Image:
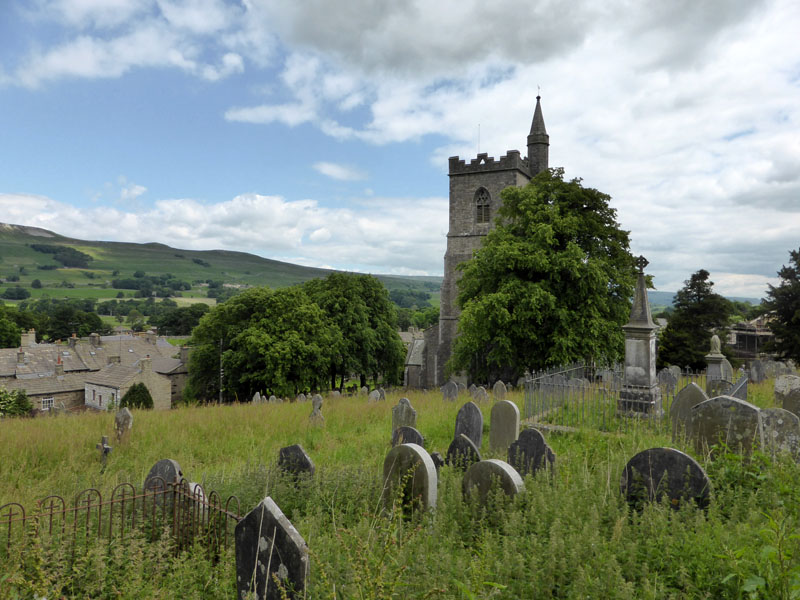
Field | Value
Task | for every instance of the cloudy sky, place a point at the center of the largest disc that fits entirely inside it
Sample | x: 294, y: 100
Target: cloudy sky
x: 317, y: 132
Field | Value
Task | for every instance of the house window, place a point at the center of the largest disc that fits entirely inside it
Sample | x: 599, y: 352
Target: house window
x: 47, y: 403
x: 482, y: 201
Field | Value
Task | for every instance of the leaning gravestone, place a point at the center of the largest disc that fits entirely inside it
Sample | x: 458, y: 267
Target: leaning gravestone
x: 651, y: 474
x: 316, y: 418
x: 781, y: 431
x: 787, y: 393
x: 530, y: 453
x: 450, y: 390
x: 462, y: 453
x: 407, y: 435
x: 418, y: 490
x: 374, y: 396
x: 469, y: 421
x: 504, y: 426
x: 123, y: 423
x: 681, y: 410
x: 499, y: 390
x: 166, y: 470
x: 266, y: 544
x: 403, y: 414
x: 735, y: 422
x: 294, y: 461
x: 483, y: 476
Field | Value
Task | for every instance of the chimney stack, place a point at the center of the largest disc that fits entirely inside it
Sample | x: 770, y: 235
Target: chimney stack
x: 73, y: 340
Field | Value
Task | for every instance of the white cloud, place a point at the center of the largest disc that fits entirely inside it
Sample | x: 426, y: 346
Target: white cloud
x: 340, y: 172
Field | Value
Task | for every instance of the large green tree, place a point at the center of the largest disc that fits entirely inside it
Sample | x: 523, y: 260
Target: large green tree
x: 137, y: 396
x: 698, y: 314
x: 783, y: 306
x: 551, y: 283
x: 273, y: 341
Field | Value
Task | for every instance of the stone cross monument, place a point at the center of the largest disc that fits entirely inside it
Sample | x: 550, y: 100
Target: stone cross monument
x: 640, y: 394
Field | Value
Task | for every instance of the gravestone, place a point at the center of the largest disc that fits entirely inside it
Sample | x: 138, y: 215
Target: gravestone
x: 462, y: 453
x: 418, y: 490
x: 472, y: 389
x: 382, y: 394
x: 530, y: 453
x: 257, y: 398
x: 735, y: 422
x: 105, y: 450
x: 403, y: 414
x: 757, y: 371
x: 787, y: 393
x: 267, y: 543
x: 681, y: 410
x: 499, y: 390
x: 651, y: 474
x: 482, y: 477
x: 481, y: 395
x: 335, y: 394
x: 718, y: 387
x: 450, y: 390
x: 275, y: 400
x: 167, y: 469
x: 316, y: 418
x: 438, y: 461
x: 521, y: 382
x: 123, y: 423
x: 374, y: 396
x: 301, y: 397
x: 667, y: 380
x: 469, y: 421
x: 676, y: 372
x: 294, y: 461
x: 363, y: 391
x: 407, y: 435
x: 727, y: 370
x: 781, y: 431
x: 461, y: 388
x: 504, y: 425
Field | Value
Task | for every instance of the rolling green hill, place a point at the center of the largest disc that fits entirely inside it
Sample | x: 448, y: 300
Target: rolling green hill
x: 112, y: 260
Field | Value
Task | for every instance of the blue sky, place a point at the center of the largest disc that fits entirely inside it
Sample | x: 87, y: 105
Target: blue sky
x: 318, y: 132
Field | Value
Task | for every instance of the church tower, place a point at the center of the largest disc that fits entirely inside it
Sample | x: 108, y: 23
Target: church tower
x: 474, y: 201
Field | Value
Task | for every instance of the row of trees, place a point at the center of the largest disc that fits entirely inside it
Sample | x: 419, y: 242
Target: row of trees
x: 309, y: 336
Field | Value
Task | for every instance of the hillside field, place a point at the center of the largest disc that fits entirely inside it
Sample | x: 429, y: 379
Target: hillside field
x: 568, y: 535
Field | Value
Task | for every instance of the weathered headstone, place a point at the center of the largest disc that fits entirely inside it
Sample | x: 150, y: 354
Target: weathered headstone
x: 781, y: 431
x: 504, y: 425
x: 676, y: 372
x: 530, y: 453
x: 481, y: 395
x: 718, y: 387
x: 123, y: 423
x: 450, y: 390
x: 667, y: 380
x: 294, y: 461
x: 481, y: 477
x: 757, y: 371
x: 382, y: 394
x: 316, y: 418
x: 407, y: 435
x: 787, y: 393
x: 275, y: 400
x: 469, y: 421
x: 656, y: 472
x: 167, y: 470
x: 403, y: 414
x: 438, y: 461
x: 727, y: 419
x: 363, y: 391
x: 681, y: 410
x: 472, y: 389
x: 301, y: 397
x: 267, y: 543
x: 462, y: 388
x: 374, y: 396
x: 105, y: 450
x: 462, y: 452
x: 419, y: 489
x: 499, y: 390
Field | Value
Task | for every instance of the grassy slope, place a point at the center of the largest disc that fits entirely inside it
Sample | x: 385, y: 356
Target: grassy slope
x: 153, y: 259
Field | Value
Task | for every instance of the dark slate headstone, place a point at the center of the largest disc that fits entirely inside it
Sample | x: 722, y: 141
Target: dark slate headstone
x: 267, y: 543
x: 420, y: 489
x: 469, y: 421
x: 407, y: 435
x: 438, y: 461
x: 168, y: 470
x: 295, y: 461
x: 727, y: 419
x: 681, y: 409
x: 781, y: 431
x: 651, y: 474
x: 403, y: 414
x: 462, y: 452
x: 787, y: 393
x: 481, y: 477
x: 530, y: 453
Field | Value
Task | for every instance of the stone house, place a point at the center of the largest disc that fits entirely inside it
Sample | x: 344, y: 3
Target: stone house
x: 105, y: 388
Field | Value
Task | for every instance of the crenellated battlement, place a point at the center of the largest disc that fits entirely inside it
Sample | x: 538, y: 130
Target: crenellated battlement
x: 484, y: 163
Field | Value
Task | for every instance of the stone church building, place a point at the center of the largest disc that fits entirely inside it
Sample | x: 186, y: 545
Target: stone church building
x: 474, y: 200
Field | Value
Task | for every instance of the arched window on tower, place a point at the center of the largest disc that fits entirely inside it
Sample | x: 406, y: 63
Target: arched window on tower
x: 482, y: 202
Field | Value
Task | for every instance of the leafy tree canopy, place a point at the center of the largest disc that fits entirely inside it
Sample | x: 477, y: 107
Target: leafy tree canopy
x: 137, y: 396
x: 783, y: 304
x: 698, y: 314
x: 551, y: 284
x: 14, y: 404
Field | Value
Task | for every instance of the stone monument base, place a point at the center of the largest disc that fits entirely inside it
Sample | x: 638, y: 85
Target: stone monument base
x: 640, y: 402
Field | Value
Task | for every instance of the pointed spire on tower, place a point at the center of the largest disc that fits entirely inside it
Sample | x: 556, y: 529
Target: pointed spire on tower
x: 538, y: 142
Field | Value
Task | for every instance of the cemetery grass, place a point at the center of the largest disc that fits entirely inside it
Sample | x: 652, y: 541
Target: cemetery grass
x: 568, y: 535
